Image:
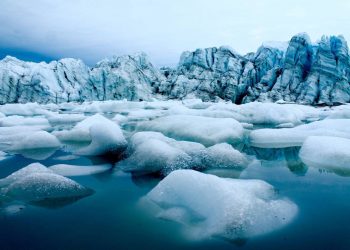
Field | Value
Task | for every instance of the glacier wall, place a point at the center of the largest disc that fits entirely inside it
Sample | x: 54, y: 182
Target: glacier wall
x: 302, y: 72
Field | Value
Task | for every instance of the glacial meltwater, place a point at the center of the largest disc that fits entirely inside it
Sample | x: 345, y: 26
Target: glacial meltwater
x: 181, y: 176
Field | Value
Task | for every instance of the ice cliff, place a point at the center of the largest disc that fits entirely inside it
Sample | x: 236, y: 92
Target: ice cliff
x: 302, y: 72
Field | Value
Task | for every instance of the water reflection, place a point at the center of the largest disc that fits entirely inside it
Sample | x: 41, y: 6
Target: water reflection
x: 268, y: 154
x: 294, y: 163
x: 58, y: 202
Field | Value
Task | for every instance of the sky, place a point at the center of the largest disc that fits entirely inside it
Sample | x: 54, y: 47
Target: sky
x: 92, y: 30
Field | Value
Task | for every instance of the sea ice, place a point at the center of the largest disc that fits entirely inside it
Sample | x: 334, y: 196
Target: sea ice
x: 205, y: 130
x: 104, y: 136
x: 36, y: 183
x: 326, y: 152
x: 153, y: 152
x: 223, y: 155
x: 218, y: 207
x: 36, y: 140
x: 74, y: 170
x: 16, y: 120
x: 291, y: 137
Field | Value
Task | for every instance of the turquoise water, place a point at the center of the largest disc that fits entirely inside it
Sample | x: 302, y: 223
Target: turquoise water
x: 114, y: 218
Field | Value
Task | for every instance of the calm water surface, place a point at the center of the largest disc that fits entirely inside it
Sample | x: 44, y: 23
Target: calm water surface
x: 114, y: 218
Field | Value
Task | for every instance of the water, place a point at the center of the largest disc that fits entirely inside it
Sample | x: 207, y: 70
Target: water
x: 114, y: 218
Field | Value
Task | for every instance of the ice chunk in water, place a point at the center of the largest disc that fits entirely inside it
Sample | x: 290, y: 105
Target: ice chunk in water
x: 36, y: 140
x: 205, y: 130
x: 23, y: 172
x: 104, y: 136
x: 223, y: 155
x: 36, y: 183
x: 16, y: 120
x: 291, y: 137
x: 45, y: 186
x: 74, y: 170
x: 153, y: 152
x: 326, y: 152
x: 219, y: 207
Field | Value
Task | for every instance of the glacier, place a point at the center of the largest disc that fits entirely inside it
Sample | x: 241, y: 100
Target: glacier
x: 299, y: 71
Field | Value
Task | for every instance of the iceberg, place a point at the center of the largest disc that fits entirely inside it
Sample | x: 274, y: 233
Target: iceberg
x: 152, y: 152
x: 36, y: 183
x: 74, y: 170
x: 205, y: 130
x: 36, y: 140
x: 327, y: 152
x: 211, y: 206
x: 291, y: 137
x: 103, y: 135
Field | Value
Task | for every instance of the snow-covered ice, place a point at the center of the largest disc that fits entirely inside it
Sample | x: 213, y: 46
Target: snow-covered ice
x: 16, y: 120
x: 220, y: 207
x: 327, y: 152
x: 205, y: 130
x: 36, y: 140
x: 151, y: 152
x: 104, y: 136
x: 290, y: 137
x: 74, y: 170
x: 223, y: 155
x: 36, y: 183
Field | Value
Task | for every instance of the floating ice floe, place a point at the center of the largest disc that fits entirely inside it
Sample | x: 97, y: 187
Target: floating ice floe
x: 218, y: 207
x: 104, y: 136
x: 11, y: 135
x: 27, y: 109
x: 224, y: 156
x: 326, y: 152
x: 37, y: 145
x: 119, y: 118
x: 56, y: 118
x: 36, y: 183
x: 16, y: 120
x: 36, y: 140
x: 74, y: 170
x: 205, y: 130
x: 144, y: 114
x: 290, y: 137
x: 264, y: 113
x: 108, y: 106
x: 151, y: 152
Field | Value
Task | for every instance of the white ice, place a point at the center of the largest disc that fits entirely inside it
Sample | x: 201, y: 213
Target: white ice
x: 205, y: 130
x: 37, y: 183
x: 16, y: 120
x: 153, y: 152
x: 36, y: 140
x: 74, y: 170
x: 290, y: 137
x: 211, y: 206
x: 326, y: 152
x: 105, y: 136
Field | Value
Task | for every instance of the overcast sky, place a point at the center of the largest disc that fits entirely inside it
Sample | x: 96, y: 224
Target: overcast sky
x: 95, y: 29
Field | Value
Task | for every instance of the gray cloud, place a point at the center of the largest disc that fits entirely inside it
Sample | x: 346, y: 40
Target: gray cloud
x: 92, y: 30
